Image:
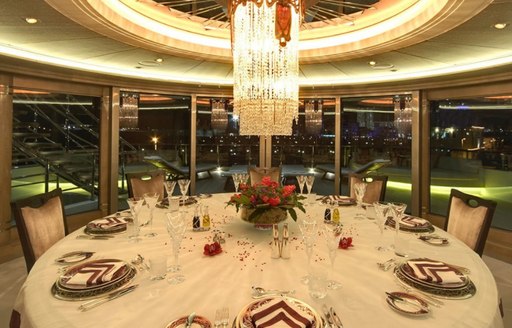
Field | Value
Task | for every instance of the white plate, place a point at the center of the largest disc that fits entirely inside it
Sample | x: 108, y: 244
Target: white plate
x: 74, y: 257
x: 407, y: 306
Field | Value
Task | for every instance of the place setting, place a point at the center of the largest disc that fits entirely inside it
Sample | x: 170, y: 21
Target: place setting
x: 93, y: 279
x: 338, y: 200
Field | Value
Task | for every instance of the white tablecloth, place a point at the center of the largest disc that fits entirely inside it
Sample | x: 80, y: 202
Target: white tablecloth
x: 226, y: 279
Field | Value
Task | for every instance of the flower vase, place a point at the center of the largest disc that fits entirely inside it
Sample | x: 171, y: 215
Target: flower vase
x: 266, y: 219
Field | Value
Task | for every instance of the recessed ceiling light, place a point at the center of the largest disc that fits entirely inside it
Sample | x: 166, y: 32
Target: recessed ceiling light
x: 372, y: 63
x: 31, y: 20
x: 159, y: 60
x: 500, y: 26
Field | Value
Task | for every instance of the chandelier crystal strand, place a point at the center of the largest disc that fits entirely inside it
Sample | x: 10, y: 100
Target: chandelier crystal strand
x: 266, y: 89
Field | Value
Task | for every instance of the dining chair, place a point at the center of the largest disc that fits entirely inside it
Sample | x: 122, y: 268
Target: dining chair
x: 375, y: 188
x: 469, y: 219
x: 140, y: 183
x: 41, y: 222
x: 256, y: 174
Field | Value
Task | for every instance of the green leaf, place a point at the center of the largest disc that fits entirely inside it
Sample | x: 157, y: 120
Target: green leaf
x: 293, y: 214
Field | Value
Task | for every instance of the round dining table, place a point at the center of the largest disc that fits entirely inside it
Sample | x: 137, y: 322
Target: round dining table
x: 225, y: 280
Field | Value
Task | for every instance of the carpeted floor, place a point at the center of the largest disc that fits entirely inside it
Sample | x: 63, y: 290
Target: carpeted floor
x: 13, y: 274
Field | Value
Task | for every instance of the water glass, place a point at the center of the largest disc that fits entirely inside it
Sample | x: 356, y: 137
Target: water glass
x: 397, y: 211
x: 332, y: 236
x: 158, y: 267
x: 151, y: 199
x: 135, y: 204
x: 308, y: 229
x: 169, y: 187
x: 359, y: 190
x: 381, y: 215
x: 176, y: 228
x: 317, y: 284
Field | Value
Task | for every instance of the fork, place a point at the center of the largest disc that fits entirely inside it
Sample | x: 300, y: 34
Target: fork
x: 218, y: 318
x: 225, y: 317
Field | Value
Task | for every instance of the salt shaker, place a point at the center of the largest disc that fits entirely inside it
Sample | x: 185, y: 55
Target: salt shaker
x: 275, y: 243
x: 285, y: 246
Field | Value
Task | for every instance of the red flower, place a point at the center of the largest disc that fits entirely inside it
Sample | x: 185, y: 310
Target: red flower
x: 274, y: 201
x: 345, y: 243
x: 288, y: 190
x: 212, y: 249
x: 266, y: 181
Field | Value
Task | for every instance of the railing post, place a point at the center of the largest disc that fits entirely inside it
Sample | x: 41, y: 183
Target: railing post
x: 93, y: 175
x: 47, y: 177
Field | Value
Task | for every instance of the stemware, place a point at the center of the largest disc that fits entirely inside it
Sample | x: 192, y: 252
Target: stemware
x: 183, y: 184
x: 135, y: 204
x: 310, y: 179
x: 301, y: 180
x: 236, y: 180
x: 176, y: 228
x: 397, y: 211
x: 151, y: 199
x: 308, y: 229
x: 332, y: 236
x: 381, y: 213
x: 169, y: 187
x: 360, y: 190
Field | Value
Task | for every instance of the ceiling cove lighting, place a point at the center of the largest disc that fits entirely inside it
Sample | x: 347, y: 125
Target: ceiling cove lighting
x: 265, y: 38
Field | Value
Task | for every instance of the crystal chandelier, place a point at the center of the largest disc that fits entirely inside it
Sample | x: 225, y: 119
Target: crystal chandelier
x: 313, y: 113
x: 265, y: 37
x: 129, y: 111
x: 403, y: 116
x: 219, y: 115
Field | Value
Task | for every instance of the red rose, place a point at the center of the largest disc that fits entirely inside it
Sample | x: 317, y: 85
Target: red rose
x: 266, y: 181
x: 345, y: 243
x: 212, y: 249
x: 288, y: 190
x: 274, y: 201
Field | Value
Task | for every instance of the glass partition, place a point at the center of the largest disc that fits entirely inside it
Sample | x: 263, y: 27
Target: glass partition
x: 221, y: 151
x: 154, y: 134
x: 310, y: 148
x: 471, y: 150
x: 55, y: 144
x: 377, y: 139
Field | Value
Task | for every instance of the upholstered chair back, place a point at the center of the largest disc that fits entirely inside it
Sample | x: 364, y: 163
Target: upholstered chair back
x: 41, y: 222
x: 469, y: 219
x: 375, y: 188
x: 257, y: 173
x: 140, y: 183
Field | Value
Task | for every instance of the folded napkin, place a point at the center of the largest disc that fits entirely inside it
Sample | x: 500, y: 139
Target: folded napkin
x: 107, y: 223
x: 97, y: 273
x: 412, y: 221
x: 338, y: 198
x: 435, y: 271
x: 280, y: 313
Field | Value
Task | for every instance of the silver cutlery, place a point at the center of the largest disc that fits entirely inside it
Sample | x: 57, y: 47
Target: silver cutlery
x: 109, y: 297
x: 259, y: 292
x: 225, y: 317
x: 387, y: 265
x: 335, y: 318
x: 397, y: 298
x: 418, y: 293
x: 328, y: 317
x: 102, y: 237
x: 190, y: 319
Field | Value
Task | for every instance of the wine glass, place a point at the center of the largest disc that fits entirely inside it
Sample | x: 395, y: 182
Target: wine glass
x: 381, y: 213
x: 169, y: 187
x: 308, y: 229
x: 176, y: 228
x: 310, y: 179
x: 135, y: 204
x: 236, y: 180
x: 184, y: 183
x: 332, y: 236
x: 244, y: 178
x: 397, y: 211
x: 151, y: 199
x: 301, y: 180
x: 360, y: 190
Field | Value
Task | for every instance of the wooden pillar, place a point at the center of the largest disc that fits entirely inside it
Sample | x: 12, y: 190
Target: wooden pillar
x: 6, y: 115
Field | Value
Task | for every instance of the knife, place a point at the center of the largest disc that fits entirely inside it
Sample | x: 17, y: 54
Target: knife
x: 335, y: 318
x: 94, y: 303
x: 190, y: 319
x: 407, y: 301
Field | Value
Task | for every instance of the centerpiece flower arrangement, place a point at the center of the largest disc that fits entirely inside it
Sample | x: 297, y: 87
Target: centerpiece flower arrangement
x: 259, y: 199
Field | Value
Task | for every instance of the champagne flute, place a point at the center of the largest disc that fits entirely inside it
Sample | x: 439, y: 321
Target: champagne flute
x: 310, y: 179
x: 169, y: 187
x: 151, y: 199
x: 332, y: 236
x: 381, y: 213
x: 236, y: 181
x: 176, y: 228
x: 135, y: 204
x: 397, y: 211
x: 360, y: 190
x: 308, y: 229
x: 184, y: 183
x: 301, y: 180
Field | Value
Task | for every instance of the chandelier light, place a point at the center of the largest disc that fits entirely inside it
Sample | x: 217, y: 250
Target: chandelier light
x: 265, y: 37
x: 313, y: 113
x: 403, y: 116
x: 129, y: 111
x: 219, y: 115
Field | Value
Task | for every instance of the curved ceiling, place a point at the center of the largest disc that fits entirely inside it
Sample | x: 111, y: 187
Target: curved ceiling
x: 407, y: 39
